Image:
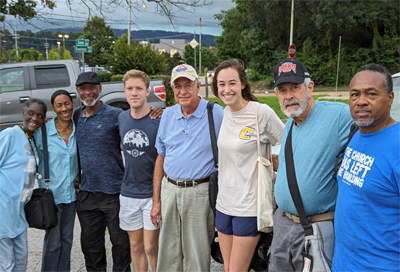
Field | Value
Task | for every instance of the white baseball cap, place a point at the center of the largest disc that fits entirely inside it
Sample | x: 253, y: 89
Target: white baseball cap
x: 183, y: 70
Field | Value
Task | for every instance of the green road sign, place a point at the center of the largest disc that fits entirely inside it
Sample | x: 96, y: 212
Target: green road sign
x: 83, y: 42
x: 83, y: 49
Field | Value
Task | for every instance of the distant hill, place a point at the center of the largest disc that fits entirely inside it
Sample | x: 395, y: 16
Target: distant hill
x: 151, y: 35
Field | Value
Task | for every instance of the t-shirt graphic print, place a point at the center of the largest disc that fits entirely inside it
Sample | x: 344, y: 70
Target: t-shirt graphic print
x: 135, y: 139
x: 138, y: 138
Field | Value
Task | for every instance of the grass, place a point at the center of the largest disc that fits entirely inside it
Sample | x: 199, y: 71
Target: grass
x: 273, y: 102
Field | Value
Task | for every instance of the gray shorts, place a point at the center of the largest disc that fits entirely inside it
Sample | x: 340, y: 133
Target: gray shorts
x: 287, y: 244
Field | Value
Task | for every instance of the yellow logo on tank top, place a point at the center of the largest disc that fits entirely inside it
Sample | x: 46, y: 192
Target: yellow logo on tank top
x: 246, y: 133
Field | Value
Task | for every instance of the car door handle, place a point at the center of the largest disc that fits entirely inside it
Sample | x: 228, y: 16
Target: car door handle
x: 23, y: 99
x: 73, y: 95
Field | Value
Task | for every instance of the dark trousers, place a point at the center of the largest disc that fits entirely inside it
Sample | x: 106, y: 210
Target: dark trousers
x: 95, y: 212
x: 57, y: 243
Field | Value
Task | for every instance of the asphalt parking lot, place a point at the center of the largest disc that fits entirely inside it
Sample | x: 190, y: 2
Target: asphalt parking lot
x: 35, y: 245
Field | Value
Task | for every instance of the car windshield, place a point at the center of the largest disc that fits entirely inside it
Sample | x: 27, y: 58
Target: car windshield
x: 395, y: 109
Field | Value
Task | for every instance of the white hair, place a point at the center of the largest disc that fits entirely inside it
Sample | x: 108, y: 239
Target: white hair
x: 306, y: 82
x: 195, y: 82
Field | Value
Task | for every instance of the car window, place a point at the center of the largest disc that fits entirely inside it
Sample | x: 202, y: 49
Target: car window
x: 395, y: 108
x: 396, y: 82
x: 51, y: 77
x: 12, y: 79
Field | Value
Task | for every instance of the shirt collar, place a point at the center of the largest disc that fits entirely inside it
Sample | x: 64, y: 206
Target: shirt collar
x: 52, y: 127
x: 98, y: 112
x: 198, y: 113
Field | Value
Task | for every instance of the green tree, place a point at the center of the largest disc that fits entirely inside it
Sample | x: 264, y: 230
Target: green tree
x: 4, y: 58
x: 208, y: 59
x: 25, y: 9
x: 67, y: 54
x: 53, y: 54
x: 369, y: 32
x: 40, y: 57
x: 136, y: 56
x: 230, y: 45
x: 101, y: 39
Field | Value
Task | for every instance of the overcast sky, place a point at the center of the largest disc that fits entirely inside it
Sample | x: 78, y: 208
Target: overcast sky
x: 146, y: 19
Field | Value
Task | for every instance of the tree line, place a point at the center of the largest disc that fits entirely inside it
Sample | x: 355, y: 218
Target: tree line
x: 258, y: 33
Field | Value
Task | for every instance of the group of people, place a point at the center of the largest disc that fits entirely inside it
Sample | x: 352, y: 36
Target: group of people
x: 156, y: 207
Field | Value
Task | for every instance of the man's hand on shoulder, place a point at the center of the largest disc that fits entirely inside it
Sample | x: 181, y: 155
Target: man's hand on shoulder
x: 156, y: 112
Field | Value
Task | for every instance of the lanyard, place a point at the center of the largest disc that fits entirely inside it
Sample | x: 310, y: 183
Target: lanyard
x: 33, y: 151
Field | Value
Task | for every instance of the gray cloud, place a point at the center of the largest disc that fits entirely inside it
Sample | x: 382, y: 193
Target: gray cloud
x: 145, y: 19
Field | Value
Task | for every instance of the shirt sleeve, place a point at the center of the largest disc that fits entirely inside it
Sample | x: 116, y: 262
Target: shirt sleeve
x: 160, y: 136
x: 344, y: 124
x: 6, y: 142
x: 271, y: 127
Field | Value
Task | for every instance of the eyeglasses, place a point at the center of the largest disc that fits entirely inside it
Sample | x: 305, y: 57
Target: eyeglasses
x: 187, y: 87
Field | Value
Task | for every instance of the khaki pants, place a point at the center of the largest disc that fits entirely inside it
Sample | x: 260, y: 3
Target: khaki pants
x: 187, y: 228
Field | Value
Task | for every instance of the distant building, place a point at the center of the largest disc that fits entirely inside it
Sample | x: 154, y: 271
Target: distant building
x: 171, y: 46
x: 212, y: 49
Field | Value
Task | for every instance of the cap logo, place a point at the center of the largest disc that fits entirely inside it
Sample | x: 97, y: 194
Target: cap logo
x: 181, y: 68
x: 286, y: 68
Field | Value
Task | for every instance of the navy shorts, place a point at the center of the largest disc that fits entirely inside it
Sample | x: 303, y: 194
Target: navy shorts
x: 236, y: 225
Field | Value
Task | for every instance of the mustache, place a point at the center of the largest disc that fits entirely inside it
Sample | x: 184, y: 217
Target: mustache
x: 292, y: 101
x: 362, y: 108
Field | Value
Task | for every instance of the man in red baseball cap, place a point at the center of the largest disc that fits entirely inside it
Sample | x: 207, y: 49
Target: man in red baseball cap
x: 318, y: 131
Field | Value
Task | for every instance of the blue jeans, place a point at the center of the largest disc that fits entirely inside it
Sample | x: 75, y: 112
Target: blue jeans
x: 58, y: 240
x: 14, y: 253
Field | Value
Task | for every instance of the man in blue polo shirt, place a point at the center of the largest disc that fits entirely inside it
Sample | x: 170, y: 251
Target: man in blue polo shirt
x: 184, y: 153
x: 97, y: 204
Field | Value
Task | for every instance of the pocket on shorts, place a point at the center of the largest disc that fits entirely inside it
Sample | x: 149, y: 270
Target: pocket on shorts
x: 202, y: 189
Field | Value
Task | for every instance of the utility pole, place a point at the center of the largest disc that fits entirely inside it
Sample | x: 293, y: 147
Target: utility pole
x: 291, y: 24
x: 195, y: 51
x: 16, y: 37
x: 200, y: 47
x: 46, y: 45
x: 129, y: 22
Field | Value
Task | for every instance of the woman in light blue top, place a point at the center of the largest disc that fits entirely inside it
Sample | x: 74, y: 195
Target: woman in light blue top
x: 63, y: 168
x: 18, y: 171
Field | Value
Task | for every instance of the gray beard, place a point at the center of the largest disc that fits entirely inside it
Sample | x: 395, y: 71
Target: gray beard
x: 302, y: 106
x: 90, y: 104
x: 364, y: 123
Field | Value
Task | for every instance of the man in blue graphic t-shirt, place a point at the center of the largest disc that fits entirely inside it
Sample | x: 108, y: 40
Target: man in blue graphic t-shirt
x: 138, y: 135
x: 367, y: 219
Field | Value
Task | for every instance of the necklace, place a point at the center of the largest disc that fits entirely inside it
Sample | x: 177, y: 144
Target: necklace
x: 385, y: 124
x: 63, y: 130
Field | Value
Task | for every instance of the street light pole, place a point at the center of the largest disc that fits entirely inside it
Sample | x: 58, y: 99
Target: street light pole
x: 200, y: 47
x: 63, y: 36
x: 195, y: 51
x: 58, y: 48
x: 291, y: 24
x: 129, y: 22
